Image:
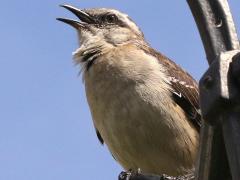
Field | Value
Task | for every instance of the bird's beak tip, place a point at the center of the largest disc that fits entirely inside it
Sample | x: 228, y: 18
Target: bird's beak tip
x: 82, y: 15
x: 71, y: 22
x: 59, y: 19
x: 64, y: 5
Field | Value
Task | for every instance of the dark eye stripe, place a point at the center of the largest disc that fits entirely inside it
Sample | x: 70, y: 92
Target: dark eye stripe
x: 108, y: 19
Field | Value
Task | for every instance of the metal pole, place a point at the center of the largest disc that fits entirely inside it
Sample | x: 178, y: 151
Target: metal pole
x: 220, y: 139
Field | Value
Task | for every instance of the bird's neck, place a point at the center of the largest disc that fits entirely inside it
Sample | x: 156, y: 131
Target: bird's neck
x: 97, y: 48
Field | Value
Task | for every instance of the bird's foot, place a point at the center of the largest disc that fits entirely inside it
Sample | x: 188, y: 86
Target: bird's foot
x: 128, y: 175
x: 131, y: 175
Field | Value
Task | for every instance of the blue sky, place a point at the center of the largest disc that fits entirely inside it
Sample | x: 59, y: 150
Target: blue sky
x: 46, y: 130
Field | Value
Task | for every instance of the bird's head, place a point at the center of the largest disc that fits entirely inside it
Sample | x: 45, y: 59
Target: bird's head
x: 101, y: 28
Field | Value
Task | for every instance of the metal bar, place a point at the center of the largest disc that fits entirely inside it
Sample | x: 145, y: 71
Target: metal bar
x: 231, y: 127
x: 212, y: 161
x: 216, y: 27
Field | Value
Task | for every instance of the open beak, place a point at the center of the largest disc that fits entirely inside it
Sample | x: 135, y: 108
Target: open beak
x: 83, y: 16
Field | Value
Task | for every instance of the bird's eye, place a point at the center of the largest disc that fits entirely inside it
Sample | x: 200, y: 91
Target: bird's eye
x: 109, y: 18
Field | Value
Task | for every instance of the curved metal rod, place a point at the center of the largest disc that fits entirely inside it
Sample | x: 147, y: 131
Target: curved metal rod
x: 216, y: 26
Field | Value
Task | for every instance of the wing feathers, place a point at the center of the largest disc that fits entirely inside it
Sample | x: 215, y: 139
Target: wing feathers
x: 185, y: 88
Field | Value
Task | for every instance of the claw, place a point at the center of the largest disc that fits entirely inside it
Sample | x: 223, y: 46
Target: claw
x: 124, y: 175
x: 129, y: 174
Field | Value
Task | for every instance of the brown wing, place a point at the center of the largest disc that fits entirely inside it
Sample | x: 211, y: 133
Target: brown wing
x: 185, y: 88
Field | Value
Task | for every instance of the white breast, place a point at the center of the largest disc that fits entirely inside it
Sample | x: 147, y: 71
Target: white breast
x: 129, y: 98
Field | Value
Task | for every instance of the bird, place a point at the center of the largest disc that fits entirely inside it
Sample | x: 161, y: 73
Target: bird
x: 144, y: 107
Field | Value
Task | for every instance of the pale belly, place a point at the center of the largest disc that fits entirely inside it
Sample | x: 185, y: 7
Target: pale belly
x: 143, y: 135
x: 136, y: 117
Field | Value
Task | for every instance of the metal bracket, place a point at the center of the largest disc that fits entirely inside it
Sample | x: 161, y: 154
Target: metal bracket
x: 219, y: 156
x: 218, y: 90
